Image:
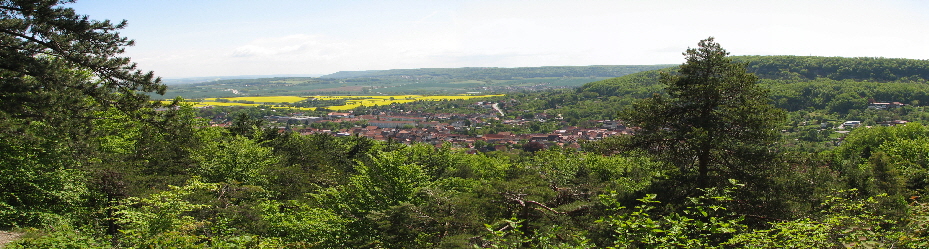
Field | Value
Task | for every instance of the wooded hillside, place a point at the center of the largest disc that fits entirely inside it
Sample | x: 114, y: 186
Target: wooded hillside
x: 718, y: 159
x: 495, y: 73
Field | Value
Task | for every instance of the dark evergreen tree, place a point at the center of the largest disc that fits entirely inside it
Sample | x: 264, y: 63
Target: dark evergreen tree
x: 56, y: 62
x: 63, y: 90
x: 714, y: 122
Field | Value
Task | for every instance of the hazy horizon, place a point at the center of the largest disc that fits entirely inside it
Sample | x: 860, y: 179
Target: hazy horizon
x: 185, y: 39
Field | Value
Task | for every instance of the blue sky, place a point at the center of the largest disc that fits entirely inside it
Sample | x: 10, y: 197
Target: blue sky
x: 236, y: 37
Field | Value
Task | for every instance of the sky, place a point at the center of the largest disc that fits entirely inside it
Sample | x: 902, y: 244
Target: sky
x: 201, y: 38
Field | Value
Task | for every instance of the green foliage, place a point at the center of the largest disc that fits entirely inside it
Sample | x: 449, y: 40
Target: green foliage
x: 917, y: 227
x: 837, y: 68
x: 162, y: 211
x: 713, y: 119
x: 61, y: 86
x: 638, y: 85
x: 313, y: 102
x: 500, y: 73
x: 162, y: 219
x: 85, y: 159
x: 387, y: 181
x: 63, y: 237
x: 377, y: 193
x: 215, y: 215
x: 886, y: 159
x: 300, y: 223
x: 426, y: 81
x: 846, y: 221
x: 796, y: 83
x: 51, y: 56
x: 704, y: 223
x: 37, y: 182
x: 232, y: 159
x: 511, y: 235
x: 624, y: 174
x: 841, y: 96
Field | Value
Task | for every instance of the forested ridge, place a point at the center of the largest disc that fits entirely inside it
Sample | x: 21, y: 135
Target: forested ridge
x: 495, y: 73
x: 785, y: 70
x: 833, y: 84
x: 430, y: 81
x: 729, y: 152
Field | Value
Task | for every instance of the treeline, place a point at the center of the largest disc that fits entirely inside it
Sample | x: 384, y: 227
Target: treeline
x: 314, y: 102
x: 791, y: 69
x: 836, y: 85
x: 244, y: 186
x: 845, y: 95
x: 495, y: 73
x: 803, y: 68
x: 263, y: 81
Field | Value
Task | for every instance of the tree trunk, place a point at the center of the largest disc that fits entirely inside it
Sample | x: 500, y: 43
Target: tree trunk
x: 703, y: 162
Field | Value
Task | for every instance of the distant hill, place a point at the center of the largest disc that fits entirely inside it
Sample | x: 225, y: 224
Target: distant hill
x: 497, y: 73
x: 192, y: 80
x: 428, y: 81
x: 796, y: 68
x: 783, y: 70
x: 834, y: 84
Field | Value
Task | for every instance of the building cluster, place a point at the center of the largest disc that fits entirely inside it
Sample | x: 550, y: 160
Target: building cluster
x: 441, y: 128
x: 854, y: 124
x: 872, y: 104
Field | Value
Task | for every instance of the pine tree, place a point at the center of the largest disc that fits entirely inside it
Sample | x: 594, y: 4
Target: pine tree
x: 58, y: 63
x: 713, y: 121
x: 65, y: 94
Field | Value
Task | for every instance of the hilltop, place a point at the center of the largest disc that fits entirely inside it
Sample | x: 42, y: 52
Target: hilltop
x: 785, y: 70
x: 834, y: 84
x: 431, y: 81
x: 496, y: 73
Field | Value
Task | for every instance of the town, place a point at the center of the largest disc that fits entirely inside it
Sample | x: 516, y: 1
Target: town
x: 461, y: 130
x: 487, y: 130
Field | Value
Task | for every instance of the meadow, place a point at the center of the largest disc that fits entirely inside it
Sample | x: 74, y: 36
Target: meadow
x: 352, y: 102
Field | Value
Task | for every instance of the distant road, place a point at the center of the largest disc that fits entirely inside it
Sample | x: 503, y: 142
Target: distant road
x: 497, y: 107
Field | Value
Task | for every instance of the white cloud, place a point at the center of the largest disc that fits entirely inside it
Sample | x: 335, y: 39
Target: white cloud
x: 551, y: 33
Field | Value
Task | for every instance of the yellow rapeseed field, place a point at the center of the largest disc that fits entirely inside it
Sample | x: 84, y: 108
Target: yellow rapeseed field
x: 267, y: 99
x: 223, y: 104
x: 352, y: 102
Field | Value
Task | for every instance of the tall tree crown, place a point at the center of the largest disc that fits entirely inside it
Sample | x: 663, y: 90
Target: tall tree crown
x: 58, y: 62
x: 714, y: 119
